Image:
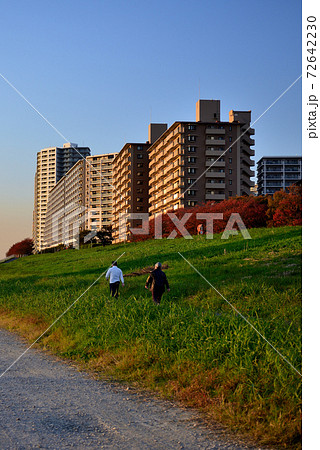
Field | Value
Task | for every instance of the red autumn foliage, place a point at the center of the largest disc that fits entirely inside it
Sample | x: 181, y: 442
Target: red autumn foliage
x: 283, y: 208
x: 22, y: 248
x: 288, y: 208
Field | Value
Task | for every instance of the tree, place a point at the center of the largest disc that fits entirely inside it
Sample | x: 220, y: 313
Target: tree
x: 82, y: 235
x: 22, y: 248
x: 105, y: 235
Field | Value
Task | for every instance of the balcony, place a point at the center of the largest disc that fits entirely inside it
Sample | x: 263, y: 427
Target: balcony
x: 215, y: 197
x: 215, y: 131
x: 273, y: 177
x: 169, y: 178
x: 292, y: 169
x: 247, y: 139
x: 214, y: 152
x: 247, y: 182
x: 248, y: 171
x: 274, y: 169
x: 152, y: 171
x: 215, y: 142
x: 246, y: 160
x: 215, y: 185
x: 216, y: 163
x: 247, y: 150
x: 209, y: 174
x: 171, y: 157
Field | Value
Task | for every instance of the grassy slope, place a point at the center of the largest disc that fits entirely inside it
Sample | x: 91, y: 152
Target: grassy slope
x: 193, y: 347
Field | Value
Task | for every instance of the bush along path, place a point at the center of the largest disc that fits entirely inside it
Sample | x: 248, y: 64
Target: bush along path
x: 193, y: 347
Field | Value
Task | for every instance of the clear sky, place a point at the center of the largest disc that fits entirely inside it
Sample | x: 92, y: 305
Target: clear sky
x: 100, y: 70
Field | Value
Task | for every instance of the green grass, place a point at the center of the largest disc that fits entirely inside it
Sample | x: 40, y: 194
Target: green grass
x: 193, y: 347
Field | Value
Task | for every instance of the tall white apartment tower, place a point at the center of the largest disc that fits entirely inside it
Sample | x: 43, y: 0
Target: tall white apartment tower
x: 52, y: 164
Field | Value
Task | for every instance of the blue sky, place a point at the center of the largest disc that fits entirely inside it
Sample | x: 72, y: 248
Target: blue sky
x: 100, y: 70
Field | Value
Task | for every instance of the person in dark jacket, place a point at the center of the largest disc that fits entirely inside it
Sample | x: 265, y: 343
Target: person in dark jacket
x: 158, y: 282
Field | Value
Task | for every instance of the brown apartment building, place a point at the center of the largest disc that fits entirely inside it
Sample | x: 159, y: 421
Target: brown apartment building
x: 195, y: 162
x: 131, y: 180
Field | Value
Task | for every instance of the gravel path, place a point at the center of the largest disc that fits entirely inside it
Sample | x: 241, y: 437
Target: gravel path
x: 46, y: 403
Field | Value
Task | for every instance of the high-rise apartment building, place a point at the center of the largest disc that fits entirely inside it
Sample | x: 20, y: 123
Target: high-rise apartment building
x: 131, y: 180
x: 99, y: 190
x: 194, y: 162
x: 52, y: 164
x: 276, y: 173
x: 65, y: 214
x: 81, y: 200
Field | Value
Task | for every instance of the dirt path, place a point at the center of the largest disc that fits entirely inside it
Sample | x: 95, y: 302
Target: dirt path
x: 46, y: 403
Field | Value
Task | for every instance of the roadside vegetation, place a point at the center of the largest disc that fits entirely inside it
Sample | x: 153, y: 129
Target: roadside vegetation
x: 193, y: 347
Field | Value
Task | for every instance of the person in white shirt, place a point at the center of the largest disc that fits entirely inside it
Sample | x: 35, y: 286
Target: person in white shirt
x: 115, y: 274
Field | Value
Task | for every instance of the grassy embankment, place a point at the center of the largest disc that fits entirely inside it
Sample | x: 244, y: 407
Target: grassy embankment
x: 192, y: 347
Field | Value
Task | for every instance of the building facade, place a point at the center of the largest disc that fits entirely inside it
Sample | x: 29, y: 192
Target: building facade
x: 65, y: 215
x: 131, y: 182
x: 81, y: 200
x: 277, y: 173
x: 99, y: 190
x: 206, y: 160
x: 52, y: 164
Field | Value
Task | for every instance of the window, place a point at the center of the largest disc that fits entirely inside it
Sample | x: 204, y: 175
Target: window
x: 230, y: 128
x: 191, y: 138
x: 191, y: 180
x: 230, y: 193
x: 140, y: 165
x: 191, y: 203
x: 139, y: 147
x: 230, y: 160
x: 230, y: 150
x: 139, y: 182
x: 230, y: 182
x: 191, y: 149
x: 139, y: 174
x: 230, y: 139
x: 139, y: 155
x: 139, y: 199
x: 192, y: 192
x: 191, y: 127
x: 191, y: 159
x: 139, y: 208
x: 191, y: 170
x: 139, y: 191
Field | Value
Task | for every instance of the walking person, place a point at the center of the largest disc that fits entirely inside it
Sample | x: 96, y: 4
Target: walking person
x: 158, y: 282
x: 115, y: 274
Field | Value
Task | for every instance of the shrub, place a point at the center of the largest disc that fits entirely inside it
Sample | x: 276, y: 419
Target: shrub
x: 288, y: 209
x: 252, y: 210
x: 283, y: 208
